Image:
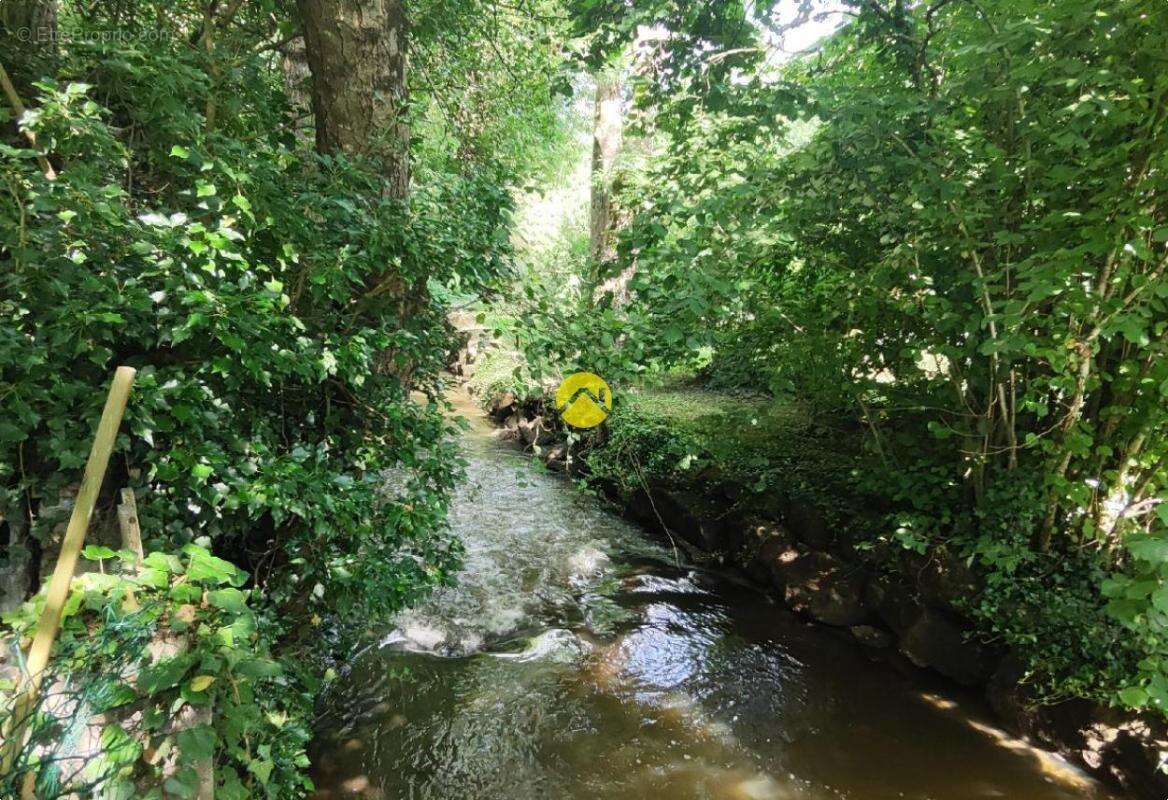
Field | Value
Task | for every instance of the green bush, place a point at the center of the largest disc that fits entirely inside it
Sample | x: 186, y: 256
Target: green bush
x: 944, y: 229
x: 279, y: 309
x: 156, y: 670
x: 262, y: 416
x: 941, y: 235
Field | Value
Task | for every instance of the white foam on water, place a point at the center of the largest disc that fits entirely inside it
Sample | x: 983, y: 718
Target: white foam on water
x: 529, y: 546
x: 587, y: 561
x: 760, y: 787
x: 556, y: 645
x: 417, y: 636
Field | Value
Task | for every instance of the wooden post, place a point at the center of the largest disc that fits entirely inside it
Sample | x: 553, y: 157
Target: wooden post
x: 128, y: 522
x: 131, y: 539
x: 18, y: 112
x: 50, y: 621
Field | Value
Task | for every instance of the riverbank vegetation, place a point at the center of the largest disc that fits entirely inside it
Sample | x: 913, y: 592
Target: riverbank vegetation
x: 913, y: 264
x: 277, y: 269
x: 942, y: 230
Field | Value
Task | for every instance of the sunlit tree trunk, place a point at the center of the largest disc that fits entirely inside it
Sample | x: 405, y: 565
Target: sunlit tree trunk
x: 607, y: 136
x: 356, y: 51
x: 298, y: 86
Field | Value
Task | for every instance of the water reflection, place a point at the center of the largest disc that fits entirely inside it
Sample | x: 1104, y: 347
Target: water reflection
x: 574, y: 659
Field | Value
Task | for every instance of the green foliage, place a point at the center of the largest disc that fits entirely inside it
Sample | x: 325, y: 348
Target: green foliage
x: 176, y: 639
x: 964, y: 252
x: 707, y: 43
x: 641, y: 449
x: 771, y: 452
x: 945, y: 230
x: 1045, y: 606
x: 498, y: 371
x: 280, y: 310
x: 259, y: 407
x: 513, y: 111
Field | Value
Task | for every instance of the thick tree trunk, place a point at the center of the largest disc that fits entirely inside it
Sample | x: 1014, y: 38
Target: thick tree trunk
x: 357, y: 53
x: 31, y: 22
x: 298, y: 86
x: 28, y: 39
x: 607, y: 133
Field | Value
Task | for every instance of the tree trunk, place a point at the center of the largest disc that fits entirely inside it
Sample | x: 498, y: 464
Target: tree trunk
x: 607, y: 133
x: 28, y: 39
x: 298, y: 87
x: 31, y: 22
x: 357, y: 54
x: 28, y: 42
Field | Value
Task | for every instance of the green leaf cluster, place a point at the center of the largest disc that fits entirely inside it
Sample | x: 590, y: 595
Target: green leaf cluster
x: 168, y: 667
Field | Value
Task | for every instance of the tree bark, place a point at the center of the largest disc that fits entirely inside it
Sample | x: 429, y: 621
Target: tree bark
x: 28, y: 40
x: 356, y: 51
x: 607, y: 136
x: 298, y: 86
x: 31, y: 22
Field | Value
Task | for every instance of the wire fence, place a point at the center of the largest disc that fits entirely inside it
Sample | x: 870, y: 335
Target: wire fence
x: 89, y: 724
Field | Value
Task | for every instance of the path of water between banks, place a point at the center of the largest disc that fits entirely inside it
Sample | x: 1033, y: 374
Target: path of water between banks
x: 577, y: 658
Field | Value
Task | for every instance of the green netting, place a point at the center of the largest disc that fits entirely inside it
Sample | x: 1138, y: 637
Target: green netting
x: 85, y: 729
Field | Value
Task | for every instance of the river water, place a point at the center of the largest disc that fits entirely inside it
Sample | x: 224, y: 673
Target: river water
x: 577, y: 658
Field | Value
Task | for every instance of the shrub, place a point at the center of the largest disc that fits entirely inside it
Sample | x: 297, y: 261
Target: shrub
x: 157, y: 670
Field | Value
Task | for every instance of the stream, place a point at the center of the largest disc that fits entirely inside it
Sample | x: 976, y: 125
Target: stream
x: 576, y: 657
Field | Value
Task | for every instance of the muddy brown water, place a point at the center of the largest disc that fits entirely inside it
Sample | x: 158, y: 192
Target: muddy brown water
x: 578, y: 658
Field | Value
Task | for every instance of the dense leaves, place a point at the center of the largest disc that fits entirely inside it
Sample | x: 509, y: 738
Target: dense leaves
x: 178, y: 633
x: 287, y: 317
x: 946, y: 224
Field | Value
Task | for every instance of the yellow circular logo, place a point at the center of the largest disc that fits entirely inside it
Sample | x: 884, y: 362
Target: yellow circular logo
x: 584, y: 400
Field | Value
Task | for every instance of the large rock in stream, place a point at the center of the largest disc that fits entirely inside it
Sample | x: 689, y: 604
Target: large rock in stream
x: 822, y: 586
x: 809, y: 524
x: 936, y: 639
x: 929, y: 636
x: 535, y: 431
x: 765, y: 542
x: 502, y: 405
x: 679, y: 513
x: 945, y: 580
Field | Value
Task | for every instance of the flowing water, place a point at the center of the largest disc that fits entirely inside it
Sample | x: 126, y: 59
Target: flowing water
x: 576, y: 658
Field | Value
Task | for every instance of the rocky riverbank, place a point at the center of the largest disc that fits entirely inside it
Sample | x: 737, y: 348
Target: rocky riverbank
x: 818, y: 569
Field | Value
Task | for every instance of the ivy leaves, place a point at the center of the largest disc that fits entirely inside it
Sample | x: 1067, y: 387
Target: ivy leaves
x: 175, y: 639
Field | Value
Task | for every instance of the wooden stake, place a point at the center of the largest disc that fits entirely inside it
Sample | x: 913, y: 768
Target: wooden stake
x: 18, y: 110
x: 131, y: 540
x: 50, y: 621
x: 128, y: 522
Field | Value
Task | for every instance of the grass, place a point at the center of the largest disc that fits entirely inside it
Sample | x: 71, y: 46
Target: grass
x: 742, y: 433
x: 680, y: 433
x: 692, y: 406
x: 495, y: 372
x: 772, y: 448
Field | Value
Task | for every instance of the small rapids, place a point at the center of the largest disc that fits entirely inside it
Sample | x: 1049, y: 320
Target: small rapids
x: 575, y: 658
